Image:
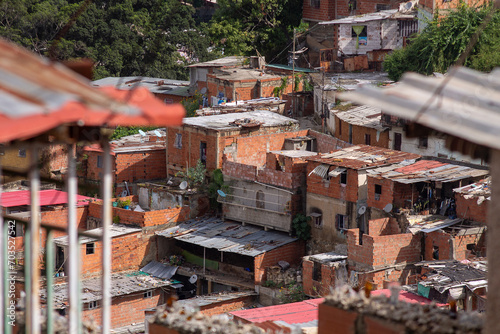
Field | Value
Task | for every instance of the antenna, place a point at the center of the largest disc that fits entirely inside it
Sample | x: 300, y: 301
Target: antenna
x: 193, y: 279
x: 362, y: 210
x: 388, y: 208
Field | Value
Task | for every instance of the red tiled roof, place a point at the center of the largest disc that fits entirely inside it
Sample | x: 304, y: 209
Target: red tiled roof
x: 357, y: 157
x: 41, y: 95
x: 47, y: 197
x: 293, y: 313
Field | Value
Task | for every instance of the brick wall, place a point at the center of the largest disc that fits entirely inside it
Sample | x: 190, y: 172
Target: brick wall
x: 325, y: 12
x: 332, y: 187
x: 312, y: 287
x: 128, y: 252
x: 147, y: 165
x: 225, y: 306
x: 127, y: 309
x: 450, y: 248
x: 59, y: 217
x: 469, y: 209
x: 399, y: 194
x: 358, y: 134
x: 326, y: 143
x: 292, y: 253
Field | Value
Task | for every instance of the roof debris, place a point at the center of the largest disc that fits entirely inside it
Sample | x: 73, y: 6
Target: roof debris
x: 480, y: 190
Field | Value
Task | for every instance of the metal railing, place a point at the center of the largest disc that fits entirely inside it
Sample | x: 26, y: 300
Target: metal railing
x: 32, y: 252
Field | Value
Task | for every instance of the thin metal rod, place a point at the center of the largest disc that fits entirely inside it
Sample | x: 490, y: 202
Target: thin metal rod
x: 106, y: 239
x: 33, y: 312
x: 74, y: 246
x: 49, y: 270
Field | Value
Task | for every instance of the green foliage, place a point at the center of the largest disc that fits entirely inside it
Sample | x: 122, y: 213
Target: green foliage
x: 116, y: 220
x: 307, y: 84
x: 122, y: 131
x: 269, y: 284
x: 123, y: 38
x: 194, y: 176
x: 301, y: 227
x: 292, y: 293
x: 216, y: 183
x: 124, y: 203
x: 243, y: 26
x: 192, y: 104
x: 278, y: 91
x: 442, y: 42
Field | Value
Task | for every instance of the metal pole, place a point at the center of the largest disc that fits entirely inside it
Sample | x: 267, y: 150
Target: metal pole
x: 49, y: 270
x: 33, y: 310
x: 293, y: 75
x: 106, y: 239
x: 74, y: 246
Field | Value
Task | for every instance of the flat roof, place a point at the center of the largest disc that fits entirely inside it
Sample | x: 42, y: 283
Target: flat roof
x: 327, y: 258
x: 366, y: 116
x: 426, y: 170
x: 480, y: 190
x: 47, y: 197
x: 290, y: 68
x: 222, y: 122
x: 116, y: 230
x: 134, y: 143
x: 214, y: 233
x: 381, y: 15
x: 363, y: 156
x: 154, y: 85
x: 295, y: 153
x: 121, y: 284
x: 222, y: 62
x: 237, y: 74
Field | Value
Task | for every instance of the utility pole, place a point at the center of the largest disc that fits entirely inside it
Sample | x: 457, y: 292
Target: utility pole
x: 293, y: 75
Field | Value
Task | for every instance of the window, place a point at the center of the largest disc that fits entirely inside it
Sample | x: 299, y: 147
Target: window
x: 361, y: 35
x: 22, y: 153
x: 317, y: 219
x: 92, y: 305
x: 367, y: 139
x: 203, y: 153
x: 99, y: 161
x: 315, y: 3
x: 178, y: 140
x: 378, y: 192
x: 422, y: 142
x: 340, y: 127
x: 90, y: 248
x: 352, y: 4
x: 148, y: 294
x: 407, y: 28
x: 397, y: 141
x: 341, y: 222
x: 317, y: 272
x: 380, y: 7
x: 343, y: 177
x: 435, y: 253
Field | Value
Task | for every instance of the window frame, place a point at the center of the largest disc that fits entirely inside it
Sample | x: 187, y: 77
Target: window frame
x: 148, y: 294
x: 344, y: 220
x: 178, y: 140
x: 90, y: 248
x: 316, y: 4
x: 378, y: 191
x: 21, y: 153
x: 343, y: 178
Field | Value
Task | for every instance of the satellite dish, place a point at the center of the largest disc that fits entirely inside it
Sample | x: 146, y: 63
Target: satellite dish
x: 183, y: 185
x: 157, y: 133
x: 221, y: 193
x: 203, y: 90
x: 362, y: 210
x: 193, y: 279
x: 124, y: 193
x: 388, y: 208
x: 142, y: 133
x: 408, y: 5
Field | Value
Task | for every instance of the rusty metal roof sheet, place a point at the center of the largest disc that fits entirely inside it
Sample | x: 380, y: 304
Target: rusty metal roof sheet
x: 450, y: 104
x: 38, y: 95
x: 381, y: 15
x: 362, y: 116
x: 227, y: 237
x: 480, y: 190
x: 426, y: 170
x: 363, y: 156
x: 116, y: 230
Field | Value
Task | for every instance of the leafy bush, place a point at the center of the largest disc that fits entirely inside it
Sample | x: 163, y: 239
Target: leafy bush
x: 194, y: 176
x: 301, y: 227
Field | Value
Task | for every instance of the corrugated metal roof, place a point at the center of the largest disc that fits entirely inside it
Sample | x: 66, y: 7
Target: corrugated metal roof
x: 227, y: 237
x: 362, y: 116
x: 382, y: 15
x: 121, y: 284
x: 116, y: 230
x: 154, y: 85
x: 37, y: 95
x: 327, y: 258
x: 426, y: 170
x: 293, y: 313
x: 222, y: 122
x: 363, y: 156
x: 47, y: 197
x: 159, y: 270
x: 433, y: 225
x: 480, y: 190
x: 451, y: 110
x: 222, y: 62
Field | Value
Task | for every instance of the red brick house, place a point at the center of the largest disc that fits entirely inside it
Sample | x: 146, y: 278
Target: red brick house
x: 473, y: 200
x: 321, y: 271
x: 134, y: 158
x: 337, y: 191
x: 243, y: 137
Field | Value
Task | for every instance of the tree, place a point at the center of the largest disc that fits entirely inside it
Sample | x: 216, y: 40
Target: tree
x: 243, y: 26
x: 442, y: 42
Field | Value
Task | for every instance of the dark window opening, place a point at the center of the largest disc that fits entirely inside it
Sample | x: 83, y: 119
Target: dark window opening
x: 317, y: 272
x: 423, y: 142
x: 90, y: 249
x: 203, y: 153
x: 316, y: 3
x: 341, y: 222
x: 92, y: 305
x: 99, y: 161
x: 352, y: 4
x: 380, y: 7
x: 340, y: 128
x: 378, y: 191
x: 350, y: 133
x: 362, y: 33
x: 367, y: 139
x: 397, y: 141
x: 343, y: 177
x: 178, y: 140
x: 317, y: 218
x: 148, y: 294
x: 22, y: 153
x: 435, y: 253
